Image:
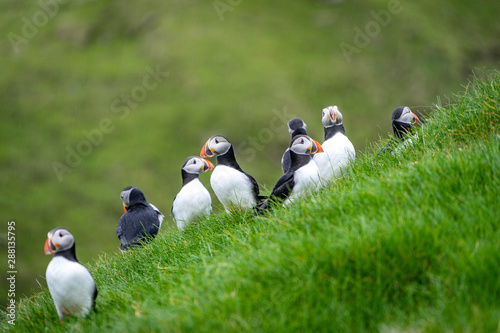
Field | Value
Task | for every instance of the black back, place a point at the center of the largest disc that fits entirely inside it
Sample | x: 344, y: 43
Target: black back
x: 139, y: 223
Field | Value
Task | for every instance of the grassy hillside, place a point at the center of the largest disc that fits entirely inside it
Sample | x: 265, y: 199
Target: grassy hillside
x: 406, y: 243
x: 242, y: 75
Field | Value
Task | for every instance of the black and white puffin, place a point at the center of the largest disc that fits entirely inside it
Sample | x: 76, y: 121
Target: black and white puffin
x: 402, y: 120
x: 233, y: 187
x: 303, y: 175
x: 71, y: 285
x: 140, y: 221
x: 339, y: 151
x: 296, y: 126
x: 193, y: 200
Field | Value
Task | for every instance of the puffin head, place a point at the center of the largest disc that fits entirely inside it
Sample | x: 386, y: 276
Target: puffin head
x: 331, y: 116
x: 196, y: 165
x: 303, y: 144
x: 216, y: 145
x: 404, y: 115
x: 130, y: 196
x: 297, y: 126
x: 58, y: 239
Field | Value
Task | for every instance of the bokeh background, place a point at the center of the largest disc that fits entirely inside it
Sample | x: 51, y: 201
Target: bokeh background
x: 100, y: 94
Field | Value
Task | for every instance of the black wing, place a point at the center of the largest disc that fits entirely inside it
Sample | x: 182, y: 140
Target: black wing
x: 94, y: 297
x: 284, y: 186
x: 120, y: 231
x: 286, y: 161
x: 255, y: 187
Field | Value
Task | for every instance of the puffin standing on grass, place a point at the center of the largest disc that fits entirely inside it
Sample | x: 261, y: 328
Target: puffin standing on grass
x: 339, y: 151
x: 141, y: 220
x: 193, y: 200
x: 303, y: 175
x: 233, y: 187
x: 71, y: 285
x: 402, y: 120
x: 296, y: 126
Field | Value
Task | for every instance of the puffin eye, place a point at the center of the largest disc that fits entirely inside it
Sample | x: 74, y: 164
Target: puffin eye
x: 194, y: 161
x: 216, y: 141
x: 60, y: 234
x: 301, y: 141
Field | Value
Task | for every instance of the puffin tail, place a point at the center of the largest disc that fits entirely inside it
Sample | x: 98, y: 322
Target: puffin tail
x: 262, y: 207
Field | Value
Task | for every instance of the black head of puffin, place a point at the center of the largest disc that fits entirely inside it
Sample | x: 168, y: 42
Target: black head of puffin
x: 130, y: 196
x: 331, y: 116
x: 404, y: 115
x: 196, y: 165
x: 304, y: 144
x: 58, y: 239
x: 216, y: 145
x: 296, y: 124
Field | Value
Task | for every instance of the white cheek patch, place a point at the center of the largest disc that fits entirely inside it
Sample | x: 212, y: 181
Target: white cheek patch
x: 125, y: 196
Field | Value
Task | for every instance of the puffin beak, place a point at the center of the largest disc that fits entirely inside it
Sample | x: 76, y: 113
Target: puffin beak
x: 416, y: 119
x: 206, y: 151
x: 207, y: 166
x: 332, y: 115
x: 125, y: 206
x: 317, y: 146
x: 48, y: 248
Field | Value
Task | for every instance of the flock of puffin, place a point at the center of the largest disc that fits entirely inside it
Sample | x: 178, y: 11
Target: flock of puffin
x: 306, y: 164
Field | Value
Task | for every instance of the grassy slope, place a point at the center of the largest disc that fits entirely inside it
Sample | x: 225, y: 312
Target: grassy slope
x: 407, y: 243
x: 225, y: 77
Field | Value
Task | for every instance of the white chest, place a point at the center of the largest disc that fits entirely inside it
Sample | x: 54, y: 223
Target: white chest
x: 232, y: 187
x: 71, y: 286
x: 306, y: 180
x: 192, y: 201
x: 338, y: 154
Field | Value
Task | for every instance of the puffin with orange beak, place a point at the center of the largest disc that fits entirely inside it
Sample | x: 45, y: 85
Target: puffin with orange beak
x: 193, y: 200
x: 339, y: 151
x: 233, y: 187
x: 71, y: 285
x: 403, y: 120
x: 302, y: 177
x: 141, y: 220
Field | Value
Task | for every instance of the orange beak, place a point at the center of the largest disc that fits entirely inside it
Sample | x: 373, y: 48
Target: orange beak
x: 208, y: 166
x: 202, y: 152
x: 125, y: 208
x: 319, y: 149
x: 205, y: 152
x: 47, y: 248
x: 416, y: 119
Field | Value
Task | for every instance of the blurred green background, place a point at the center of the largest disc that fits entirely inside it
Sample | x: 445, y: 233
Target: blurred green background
x: 82, y: 69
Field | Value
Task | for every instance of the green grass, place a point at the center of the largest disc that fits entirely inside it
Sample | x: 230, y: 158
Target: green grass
x: 225, y: 77
x: 408, y: 243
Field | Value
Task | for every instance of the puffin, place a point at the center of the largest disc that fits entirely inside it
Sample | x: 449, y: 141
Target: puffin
x: 71, y: 285
x: 141, y: 220
x: 193, y: 200
x: 403, y: 120
x: 295, y: 126
x: 303, y: 175
x: 338, y: 149
x: 233, y: 187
